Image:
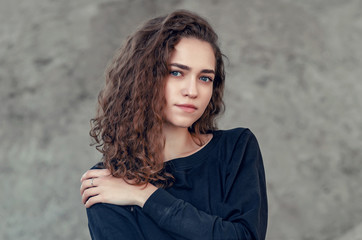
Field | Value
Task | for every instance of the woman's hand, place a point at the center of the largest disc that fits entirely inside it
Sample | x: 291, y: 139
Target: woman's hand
x: 99, y: 186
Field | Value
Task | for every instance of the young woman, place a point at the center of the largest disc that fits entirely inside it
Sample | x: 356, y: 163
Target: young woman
x: 167, y: 173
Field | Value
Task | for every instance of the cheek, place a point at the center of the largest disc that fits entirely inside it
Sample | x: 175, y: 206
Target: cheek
x: 209, y: 94
x: 207, y: 100
x: 167, y: 92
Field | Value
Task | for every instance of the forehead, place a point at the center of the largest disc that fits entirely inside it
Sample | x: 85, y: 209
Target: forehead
x: 195, y: 53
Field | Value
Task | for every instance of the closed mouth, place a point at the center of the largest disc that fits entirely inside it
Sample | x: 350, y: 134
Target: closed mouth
x: 187, y: 107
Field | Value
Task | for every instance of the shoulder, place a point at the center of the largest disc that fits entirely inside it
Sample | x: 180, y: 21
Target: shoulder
x: 235, y: 135
x: 109, y: 211
x: 99, y: 165
x: 238, y: 145
x: 106, y: 221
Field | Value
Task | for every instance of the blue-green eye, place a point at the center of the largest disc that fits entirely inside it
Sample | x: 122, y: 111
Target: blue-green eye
x: 206, y: 79
x: 175, y: 73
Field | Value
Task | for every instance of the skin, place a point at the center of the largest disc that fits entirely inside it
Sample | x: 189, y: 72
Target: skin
x: 188, y: 91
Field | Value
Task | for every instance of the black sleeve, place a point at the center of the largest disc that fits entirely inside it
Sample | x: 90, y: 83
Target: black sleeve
x: 109, y: 222
x: 245, y: 202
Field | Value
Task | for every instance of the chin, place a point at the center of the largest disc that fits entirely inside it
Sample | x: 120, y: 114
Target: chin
x: 181, y: 121
x: 180, y: 124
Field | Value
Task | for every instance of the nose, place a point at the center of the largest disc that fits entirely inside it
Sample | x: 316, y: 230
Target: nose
x: 190, y: 88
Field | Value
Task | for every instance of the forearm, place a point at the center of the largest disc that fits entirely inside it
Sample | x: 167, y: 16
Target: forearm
x: 143, y: 193
x: 182, y: 219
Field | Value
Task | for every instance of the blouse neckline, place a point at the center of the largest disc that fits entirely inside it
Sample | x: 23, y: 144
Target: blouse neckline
x: 196, y: 158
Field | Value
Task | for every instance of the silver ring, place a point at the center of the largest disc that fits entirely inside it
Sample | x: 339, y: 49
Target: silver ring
x: 92, y: 182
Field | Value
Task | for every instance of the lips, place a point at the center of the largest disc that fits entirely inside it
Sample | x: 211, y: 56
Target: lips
x: 189, y: 108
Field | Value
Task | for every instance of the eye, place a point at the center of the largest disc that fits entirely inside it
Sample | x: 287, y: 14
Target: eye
x: 175, y: 73
x: 206, y: 79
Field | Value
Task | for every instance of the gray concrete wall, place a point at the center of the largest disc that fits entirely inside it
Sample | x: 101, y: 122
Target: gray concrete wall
x: 294, y: 78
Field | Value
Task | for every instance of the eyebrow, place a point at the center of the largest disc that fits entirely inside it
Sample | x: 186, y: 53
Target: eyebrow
x: 184, y: 67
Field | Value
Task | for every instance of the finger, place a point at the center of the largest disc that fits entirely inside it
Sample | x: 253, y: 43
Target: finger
x: 94, y: 173
x: 89, y: 193
x: 87, y: 183
x: 93, y: 200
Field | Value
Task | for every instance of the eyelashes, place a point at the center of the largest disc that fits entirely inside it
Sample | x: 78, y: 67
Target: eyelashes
x: 206, y: 79
x: 202, y: 78
x: 176, y: 73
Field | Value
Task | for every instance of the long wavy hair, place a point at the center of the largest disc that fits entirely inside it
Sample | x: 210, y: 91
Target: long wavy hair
x: 127, y: 128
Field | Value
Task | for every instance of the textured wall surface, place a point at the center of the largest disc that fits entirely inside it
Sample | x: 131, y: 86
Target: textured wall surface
x: 293, y: 77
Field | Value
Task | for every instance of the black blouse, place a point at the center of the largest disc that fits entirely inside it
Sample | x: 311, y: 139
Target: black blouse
x: 219, y: 193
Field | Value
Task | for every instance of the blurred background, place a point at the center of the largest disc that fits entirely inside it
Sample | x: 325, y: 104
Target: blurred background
x: 293, y: 77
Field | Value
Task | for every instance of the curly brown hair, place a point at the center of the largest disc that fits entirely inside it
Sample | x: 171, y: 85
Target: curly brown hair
x: 128, y: 126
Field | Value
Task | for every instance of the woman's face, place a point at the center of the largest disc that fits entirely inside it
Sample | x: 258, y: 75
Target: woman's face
x: 189, y: 84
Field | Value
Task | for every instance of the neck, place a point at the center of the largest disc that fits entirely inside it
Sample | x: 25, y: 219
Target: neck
x: 178, y: 142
